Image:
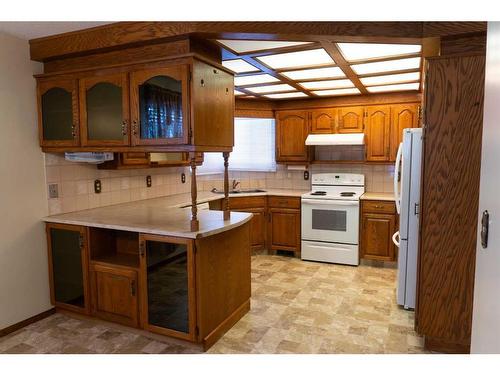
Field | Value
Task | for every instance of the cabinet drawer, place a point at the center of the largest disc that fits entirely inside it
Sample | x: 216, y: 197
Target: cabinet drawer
x: 379, y: 206
x: 284, y: 202
x: 247, y: 202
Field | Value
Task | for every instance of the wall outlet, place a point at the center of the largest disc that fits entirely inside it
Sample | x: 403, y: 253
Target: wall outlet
x: 306, y: 175
x: 97, y: 186
x: 149, y: 181
x: 53, y: 191
x: 183, y: 178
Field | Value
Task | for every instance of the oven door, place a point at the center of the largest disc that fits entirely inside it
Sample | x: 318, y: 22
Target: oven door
x: 330, y: 220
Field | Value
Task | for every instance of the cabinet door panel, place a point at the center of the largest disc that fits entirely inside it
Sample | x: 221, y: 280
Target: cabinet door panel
x: 58, y: 112
x: 159, y: 106
x: 168, y: 294
x: 324, y: 121
x: 114, y: 293
x: 350, y: 120
x: 284, y: 229
x: 404, y: 116
x: 68, y: 266
x: 104, y: 110
x: 291, y: 133
x: 377, y: 231
x: 377, y: 133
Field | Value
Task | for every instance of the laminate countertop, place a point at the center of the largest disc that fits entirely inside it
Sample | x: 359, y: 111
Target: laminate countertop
x: 168, y: 216
x: 373, y: 196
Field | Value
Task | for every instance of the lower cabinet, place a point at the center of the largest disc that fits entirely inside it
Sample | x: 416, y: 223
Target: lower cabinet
x: 284, y: 224
x: 68, y: 267
x: 258, y: 227
x: 378, y: 224
x: 114, y: 294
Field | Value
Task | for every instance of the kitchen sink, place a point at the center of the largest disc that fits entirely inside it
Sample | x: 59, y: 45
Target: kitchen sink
x: 240, y: 191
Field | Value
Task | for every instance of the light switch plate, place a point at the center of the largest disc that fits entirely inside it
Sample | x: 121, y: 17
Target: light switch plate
x: 53, y: 191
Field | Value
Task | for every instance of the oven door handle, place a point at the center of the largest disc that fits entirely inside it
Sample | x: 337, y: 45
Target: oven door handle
x: 329, y: 202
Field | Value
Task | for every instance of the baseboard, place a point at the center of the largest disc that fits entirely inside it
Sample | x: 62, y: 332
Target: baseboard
x: 26, y: 322
x: 443, y: 346
x: 222, y: 328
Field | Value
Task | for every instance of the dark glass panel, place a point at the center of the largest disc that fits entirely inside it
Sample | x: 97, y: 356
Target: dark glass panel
x: 57, y: 115
x: 167, y: 279
x: 104, y: 112
x: 67, y: 266
x: 329, y: 220
x: 160, y: 102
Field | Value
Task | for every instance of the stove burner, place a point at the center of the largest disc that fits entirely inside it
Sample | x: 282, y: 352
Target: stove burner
x: 318, y: 193
x: 347, y: 194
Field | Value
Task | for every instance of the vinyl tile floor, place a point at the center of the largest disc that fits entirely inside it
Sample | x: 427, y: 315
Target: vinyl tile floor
x: 296, y: 307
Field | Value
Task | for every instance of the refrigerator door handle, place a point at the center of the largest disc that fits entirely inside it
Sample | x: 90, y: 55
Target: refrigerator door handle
x: 397, y: 172
x: 396, y: 242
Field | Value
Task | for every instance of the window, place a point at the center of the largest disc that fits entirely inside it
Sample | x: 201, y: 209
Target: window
x: 254, y: 145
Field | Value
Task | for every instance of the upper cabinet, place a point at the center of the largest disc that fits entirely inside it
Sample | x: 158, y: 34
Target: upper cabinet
x: 181, y: 105
x: 159, y: 99
x: 377, y: 132
x: 324, y: 121
x: 403, y: 116
x: 58, y: 112
x: 351, y: 119
x: 292, y: 128
x: 104, y: 110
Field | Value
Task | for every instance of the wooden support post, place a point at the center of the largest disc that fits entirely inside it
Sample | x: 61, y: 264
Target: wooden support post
x: 195, y: 224
x: 227, y: 213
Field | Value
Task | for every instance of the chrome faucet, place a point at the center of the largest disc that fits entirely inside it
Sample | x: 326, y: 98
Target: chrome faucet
x: 235, y: 184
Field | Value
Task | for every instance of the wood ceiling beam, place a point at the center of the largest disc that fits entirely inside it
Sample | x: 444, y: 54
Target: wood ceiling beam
x: 333, y: 51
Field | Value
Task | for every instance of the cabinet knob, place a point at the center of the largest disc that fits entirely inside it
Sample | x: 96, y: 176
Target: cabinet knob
x: 134, y: 127
x: 73, y: 131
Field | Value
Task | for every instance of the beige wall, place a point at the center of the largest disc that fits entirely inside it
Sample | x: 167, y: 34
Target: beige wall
x: 24, y: 286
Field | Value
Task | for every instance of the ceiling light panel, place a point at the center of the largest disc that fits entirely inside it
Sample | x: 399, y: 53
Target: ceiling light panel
x: 239, y: 66
x: 254, y: 79
x: 242, y: 46
x: 334, y: 72
x: 387, y: 66
x: 401, y: 87
x: 331, y: 84
x: 391, y: 78
x: 313, y: 57
x: 271, y: 88
x: 286, y: 95
x: 361, y: 51
x: 337, y: 92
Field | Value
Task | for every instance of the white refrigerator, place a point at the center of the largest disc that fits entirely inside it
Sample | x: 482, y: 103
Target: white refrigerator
x: 407, y: 176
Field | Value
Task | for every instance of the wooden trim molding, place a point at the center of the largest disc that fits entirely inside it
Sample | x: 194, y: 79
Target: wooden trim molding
x: 26, y: 322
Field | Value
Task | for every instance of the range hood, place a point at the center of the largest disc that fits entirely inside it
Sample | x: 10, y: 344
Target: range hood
x: 335, y: 139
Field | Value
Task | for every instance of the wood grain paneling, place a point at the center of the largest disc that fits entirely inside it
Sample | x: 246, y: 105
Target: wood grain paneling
x: 470, y: 44
x: 449, y: 198
x: 292, y: 128
x: 377, y: 131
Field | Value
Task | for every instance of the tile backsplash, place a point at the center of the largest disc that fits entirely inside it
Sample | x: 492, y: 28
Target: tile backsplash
x: 76, y: 182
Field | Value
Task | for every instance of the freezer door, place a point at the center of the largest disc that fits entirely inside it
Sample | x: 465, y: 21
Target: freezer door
x: 402, y: 260
x: 406, y: 170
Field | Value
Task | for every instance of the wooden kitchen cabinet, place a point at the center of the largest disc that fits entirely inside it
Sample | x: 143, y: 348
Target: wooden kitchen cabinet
x: 323, y: 121
x: 258, y: 225
x: 292, y: 128
x: 114, y: 294
x: 350, y: 119
x: 403, y: 116
x: 378, y: 224
x: 377, y: 133
x: 104, y: 110
x: 68, y: 267
x: 138, y: 160
x: 58, y: 121
x: 284, y: 224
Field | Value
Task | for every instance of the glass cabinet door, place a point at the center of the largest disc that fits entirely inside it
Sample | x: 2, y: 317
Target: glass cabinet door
x: 57, y: 112
x: 68, y: 266
x: 159, y: 103
x: 104, y: 110
x: 167, y: 283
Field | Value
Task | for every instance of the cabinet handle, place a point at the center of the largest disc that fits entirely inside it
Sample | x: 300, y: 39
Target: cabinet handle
x: 134, y: 127
x: 73, y: 130
x: 124, y: 127
x: 132, y: 288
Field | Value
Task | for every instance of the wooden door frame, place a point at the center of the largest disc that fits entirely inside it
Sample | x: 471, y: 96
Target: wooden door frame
x: 138, y: 77
x: 85, y: 266
x: 86, y: 83
x: 70, y: 85
x: 143, y: 286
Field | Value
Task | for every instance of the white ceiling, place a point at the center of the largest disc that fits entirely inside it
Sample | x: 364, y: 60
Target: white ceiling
x: 31, y: 30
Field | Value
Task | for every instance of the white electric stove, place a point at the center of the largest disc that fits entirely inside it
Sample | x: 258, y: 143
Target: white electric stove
x: 330, y: 218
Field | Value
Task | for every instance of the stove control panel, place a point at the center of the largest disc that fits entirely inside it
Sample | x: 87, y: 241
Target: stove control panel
x: 338, y: 179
